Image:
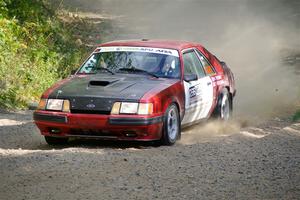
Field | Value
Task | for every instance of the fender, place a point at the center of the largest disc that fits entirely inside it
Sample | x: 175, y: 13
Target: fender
x: 163, y: 97
x: 46, y: 94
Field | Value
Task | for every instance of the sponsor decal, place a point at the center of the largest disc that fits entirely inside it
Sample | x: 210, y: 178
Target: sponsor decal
x: 219, y: 77
x: 192, y: 91
x: 199, y: 99
x: 195, y: 94
x: 221, y: 82
x: 171, y: 52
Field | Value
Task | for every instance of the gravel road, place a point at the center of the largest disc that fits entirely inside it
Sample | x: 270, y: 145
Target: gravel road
x: 212, y: 161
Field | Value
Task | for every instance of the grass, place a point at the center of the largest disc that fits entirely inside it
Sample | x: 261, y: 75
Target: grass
x: 36, y: 50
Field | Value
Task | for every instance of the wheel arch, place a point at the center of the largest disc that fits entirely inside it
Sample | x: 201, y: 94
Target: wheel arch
x: 215, y: 111
x: 176, y: 103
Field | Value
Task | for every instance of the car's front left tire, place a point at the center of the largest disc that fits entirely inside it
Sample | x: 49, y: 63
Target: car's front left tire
x: 56, y: 140
x: 171, y: 128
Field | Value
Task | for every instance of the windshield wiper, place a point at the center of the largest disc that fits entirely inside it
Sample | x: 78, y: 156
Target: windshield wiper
x: 105, y: 69
x: 133, y: 69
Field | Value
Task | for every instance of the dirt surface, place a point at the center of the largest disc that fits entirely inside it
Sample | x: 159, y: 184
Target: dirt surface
x: 212, y: 161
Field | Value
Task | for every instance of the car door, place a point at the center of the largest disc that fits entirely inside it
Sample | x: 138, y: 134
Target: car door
x: 210, y: 72
x: 198, y: 92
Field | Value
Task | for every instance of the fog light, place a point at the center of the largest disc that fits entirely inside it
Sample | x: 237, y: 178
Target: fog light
x: 54, y: 131
x: 130, y: 133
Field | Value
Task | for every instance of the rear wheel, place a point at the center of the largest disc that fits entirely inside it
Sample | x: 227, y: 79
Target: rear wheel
x: 56, y: 140
x: 171, y: 131
x: 223, y: 109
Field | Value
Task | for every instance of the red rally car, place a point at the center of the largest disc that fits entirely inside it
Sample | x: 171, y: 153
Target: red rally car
x: 140, y: 90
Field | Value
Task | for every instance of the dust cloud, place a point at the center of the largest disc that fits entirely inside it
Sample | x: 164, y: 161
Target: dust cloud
x: 209, y: 131
x: 252, y: 36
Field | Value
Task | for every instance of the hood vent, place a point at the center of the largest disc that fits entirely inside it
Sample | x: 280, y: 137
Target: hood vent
x: 99, y: 83
x: 102, y: 83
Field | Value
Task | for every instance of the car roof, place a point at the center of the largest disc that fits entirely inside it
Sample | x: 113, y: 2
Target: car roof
x: 168, y: 44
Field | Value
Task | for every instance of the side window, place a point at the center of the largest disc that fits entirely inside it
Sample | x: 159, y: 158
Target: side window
x: 192, y: 64
x: 209, y: 70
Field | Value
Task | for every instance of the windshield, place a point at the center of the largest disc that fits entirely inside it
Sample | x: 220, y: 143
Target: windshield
x: 162, y: 64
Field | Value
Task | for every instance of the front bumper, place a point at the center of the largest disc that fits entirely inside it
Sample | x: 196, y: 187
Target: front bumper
x: 112, y: 127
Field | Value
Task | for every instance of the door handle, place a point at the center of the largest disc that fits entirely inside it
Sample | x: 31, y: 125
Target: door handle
x: 209, y: 83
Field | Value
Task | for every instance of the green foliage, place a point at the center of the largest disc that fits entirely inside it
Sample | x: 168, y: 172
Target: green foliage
x: 296, y: 116
x: 35, y: 51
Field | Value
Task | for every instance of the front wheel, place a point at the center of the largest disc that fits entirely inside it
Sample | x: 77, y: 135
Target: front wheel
x: 56, y: 140
x: 171, y: 130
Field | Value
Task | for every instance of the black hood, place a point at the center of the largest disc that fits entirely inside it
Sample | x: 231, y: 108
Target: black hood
x: 99, y: 92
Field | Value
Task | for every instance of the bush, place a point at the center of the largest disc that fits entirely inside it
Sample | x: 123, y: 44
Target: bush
x: 36, y: 50
x: 296, y: 116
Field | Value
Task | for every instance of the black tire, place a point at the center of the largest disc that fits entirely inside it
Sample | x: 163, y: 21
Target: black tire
x: 56, y: 140
x: 223, y: 110
x: 171, y: 128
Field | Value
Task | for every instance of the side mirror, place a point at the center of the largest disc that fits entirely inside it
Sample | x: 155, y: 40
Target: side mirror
x: 190, y: 77
x: 73, y: 71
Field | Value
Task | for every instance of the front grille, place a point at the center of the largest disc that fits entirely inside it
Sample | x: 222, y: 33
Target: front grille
x: 90, y: 132
x: 99, y: 112
x: 91, y: 105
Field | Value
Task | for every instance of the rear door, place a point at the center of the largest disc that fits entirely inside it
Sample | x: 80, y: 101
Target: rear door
x: 198, y: 93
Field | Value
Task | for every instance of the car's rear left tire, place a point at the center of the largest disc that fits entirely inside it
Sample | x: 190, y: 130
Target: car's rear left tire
x: 171, y: 128
x: 223, y: 110
x: 56, y: 140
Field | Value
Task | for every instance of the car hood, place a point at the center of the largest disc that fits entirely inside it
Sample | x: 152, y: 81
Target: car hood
x: 100, y: 91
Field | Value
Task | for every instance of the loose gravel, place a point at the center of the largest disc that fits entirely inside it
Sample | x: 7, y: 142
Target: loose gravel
x: 212, y: 161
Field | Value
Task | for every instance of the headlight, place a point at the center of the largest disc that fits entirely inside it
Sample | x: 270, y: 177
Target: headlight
x: 129, y: 108
x: 54, y: 104
x: 132, y: 108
